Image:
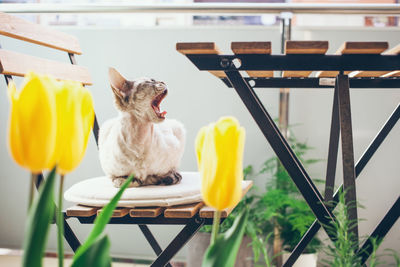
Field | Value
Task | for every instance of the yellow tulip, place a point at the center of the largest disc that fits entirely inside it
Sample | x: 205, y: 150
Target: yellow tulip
x: 75, y: 117
x: 32, y: 123
x: 219, y: 149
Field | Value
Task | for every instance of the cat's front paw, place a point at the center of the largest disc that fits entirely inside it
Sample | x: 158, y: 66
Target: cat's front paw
x: 119, y: 181
x: 173, y: 178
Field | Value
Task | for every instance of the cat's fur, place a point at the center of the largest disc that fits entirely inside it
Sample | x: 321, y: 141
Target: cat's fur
x: 140, y: 140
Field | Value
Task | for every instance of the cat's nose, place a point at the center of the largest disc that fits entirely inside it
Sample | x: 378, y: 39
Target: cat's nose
x: 161, y: 86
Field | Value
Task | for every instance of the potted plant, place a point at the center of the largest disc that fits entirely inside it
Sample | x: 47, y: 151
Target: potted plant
x: 285, y: 213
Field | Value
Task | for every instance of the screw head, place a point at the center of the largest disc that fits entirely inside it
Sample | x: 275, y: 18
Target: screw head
x: 225, y: 63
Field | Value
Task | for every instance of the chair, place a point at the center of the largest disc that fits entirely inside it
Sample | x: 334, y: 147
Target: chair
x: 192, y: 216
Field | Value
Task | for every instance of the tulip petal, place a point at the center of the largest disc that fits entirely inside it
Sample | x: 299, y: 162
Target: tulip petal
x: 75, y: 122
x: 13, y: 129
x: 199, y: 142
x: 219, y: 150
x: 36, y: 122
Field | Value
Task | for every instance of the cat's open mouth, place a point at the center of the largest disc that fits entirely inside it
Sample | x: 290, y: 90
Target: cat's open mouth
x: 155, y: 104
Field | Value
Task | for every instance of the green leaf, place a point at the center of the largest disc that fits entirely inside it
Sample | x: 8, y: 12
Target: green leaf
x: 100, y: 223
x: 98, y: 254
x: 38, y: 223
x: 224, y: 250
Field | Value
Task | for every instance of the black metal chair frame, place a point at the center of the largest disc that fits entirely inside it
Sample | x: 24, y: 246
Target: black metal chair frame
x: 340, y: 123
x: 191, y: 225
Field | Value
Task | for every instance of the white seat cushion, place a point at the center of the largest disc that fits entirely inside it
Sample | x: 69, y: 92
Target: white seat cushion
x: 98, y: 192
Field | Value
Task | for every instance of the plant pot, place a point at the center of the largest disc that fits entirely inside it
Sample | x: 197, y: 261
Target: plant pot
x: 200, y: 242
x: 305, y: 260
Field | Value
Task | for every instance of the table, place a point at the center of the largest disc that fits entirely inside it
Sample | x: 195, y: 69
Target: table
x: 355, y: 65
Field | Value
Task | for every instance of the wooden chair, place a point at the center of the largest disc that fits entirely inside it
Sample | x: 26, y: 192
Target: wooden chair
x: 193, y: 216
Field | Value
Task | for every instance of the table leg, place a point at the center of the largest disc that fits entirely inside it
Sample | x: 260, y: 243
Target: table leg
x: 381, y: 230
x: 333, y: 149
x: 349, y: 180
x: 362, y: 162
x: 282, y: 150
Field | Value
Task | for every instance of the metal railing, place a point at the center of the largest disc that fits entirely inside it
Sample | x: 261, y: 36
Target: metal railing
x: 209, y: 8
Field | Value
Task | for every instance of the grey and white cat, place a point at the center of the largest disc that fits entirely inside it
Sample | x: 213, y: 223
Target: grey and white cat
x: 140, y: 141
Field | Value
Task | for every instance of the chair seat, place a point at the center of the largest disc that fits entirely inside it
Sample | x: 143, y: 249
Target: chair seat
x: 98, y: 191
x: 144, y: 202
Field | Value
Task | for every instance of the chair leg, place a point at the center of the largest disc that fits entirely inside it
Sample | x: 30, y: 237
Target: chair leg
x: 70, y: 236
x: 179, y: 241
x: 152, y: 241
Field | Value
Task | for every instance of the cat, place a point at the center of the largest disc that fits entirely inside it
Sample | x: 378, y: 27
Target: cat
x: 140, y: 141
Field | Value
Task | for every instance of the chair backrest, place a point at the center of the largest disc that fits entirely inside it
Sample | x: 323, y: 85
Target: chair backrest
x: 18, y: 64
x: 13, y: 63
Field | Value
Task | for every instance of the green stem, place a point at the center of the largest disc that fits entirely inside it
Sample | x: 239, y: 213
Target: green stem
x: 32, y: 190
x: 60, y: 224
x: 215, y: 228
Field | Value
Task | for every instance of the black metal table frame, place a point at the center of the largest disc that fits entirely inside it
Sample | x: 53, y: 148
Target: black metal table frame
x: 340, y: 123
x: 191, y: 225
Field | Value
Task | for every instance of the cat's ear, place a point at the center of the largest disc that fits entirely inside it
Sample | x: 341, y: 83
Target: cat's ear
x: 121, y: 87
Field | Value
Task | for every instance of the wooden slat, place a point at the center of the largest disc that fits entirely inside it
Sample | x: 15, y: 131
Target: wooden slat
x: 200, y: 48
x: 81, y: 211
x: 356, y: 48
x: 253, y: 48
x: 363, y: 47
x: 393, y: 51
x: 304, y: 47
x: 183, y: 211
x: 197, y: 48
x: 208, y: 212
x: 395, y: 73
x: 13, y: 63
x: 18, y: 28
x: 148, y: 212
x: 117, y: 213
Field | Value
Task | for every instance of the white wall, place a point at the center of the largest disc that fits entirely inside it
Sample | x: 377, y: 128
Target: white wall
x: 197, y: 98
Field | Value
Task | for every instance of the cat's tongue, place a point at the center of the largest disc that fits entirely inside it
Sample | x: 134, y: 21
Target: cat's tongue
x: 163, y: 113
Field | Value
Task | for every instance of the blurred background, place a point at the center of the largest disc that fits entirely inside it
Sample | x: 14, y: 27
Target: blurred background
x: 144, y: 45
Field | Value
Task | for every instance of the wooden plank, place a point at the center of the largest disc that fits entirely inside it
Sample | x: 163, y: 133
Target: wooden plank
x: 197, y: 48
x: 21, y: 29
x: 81, y: 211
x: 304, y: 47
x: 355, y: 48
x: 200, y: 48
x: 13, y: 63
x: 395, y: 73
x: 118, y: 212
x: 208, y: 212
x: 393, y: 51
x: 363, y: 47
x: 253, y: 48
x: 148, y: 212
x: 183, y: 211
